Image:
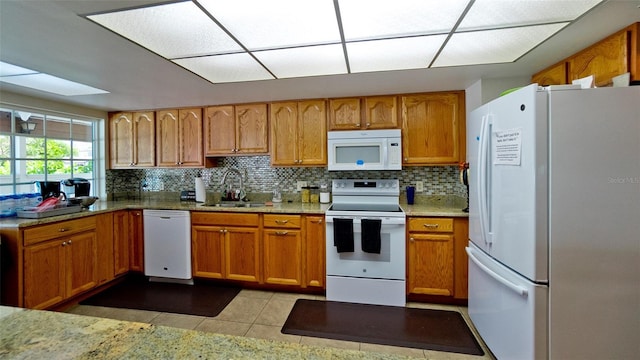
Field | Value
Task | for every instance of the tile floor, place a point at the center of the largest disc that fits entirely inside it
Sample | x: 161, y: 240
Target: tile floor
x: 261, y: 314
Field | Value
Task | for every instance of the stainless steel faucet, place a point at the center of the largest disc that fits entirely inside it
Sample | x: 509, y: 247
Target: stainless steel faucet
x: 237, y: 172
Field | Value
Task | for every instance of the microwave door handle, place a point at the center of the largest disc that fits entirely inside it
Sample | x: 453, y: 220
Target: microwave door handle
x: 385, y: 153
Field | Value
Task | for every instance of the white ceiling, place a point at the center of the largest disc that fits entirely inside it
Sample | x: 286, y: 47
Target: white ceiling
x: 54, y: 37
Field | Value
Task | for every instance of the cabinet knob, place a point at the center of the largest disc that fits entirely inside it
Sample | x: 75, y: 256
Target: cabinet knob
x: 357, y: 125
x: 368, y: 124
x: 69, y: 242
x: 62, y: 229
x: 64, y: 243
x: 412, y: 239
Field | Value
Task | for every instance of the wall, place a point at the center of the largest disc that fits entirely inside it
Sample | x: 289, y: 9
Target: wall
x: 261, y: 177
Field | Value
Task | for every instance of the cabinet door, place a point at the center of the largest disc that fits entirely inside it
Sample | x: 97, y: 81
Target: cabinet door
x: 121, y: 140
x: 44, y: 274
x: 81, y: 274
x: 430, y: 264
x: 220, y: 131
x: 282, y: 256
x: 105, y: 240
x: 312, y: 132
x: 242, y: 254
x: 431, y: 128
x: 381, y: 112
x: 604, y: 60
x: 144, y: 130
x: 344, y: 114
x: 314, y: 251
x: 207, y: 251
x: 555, y: 75
x: 136, y: 241
x: 190, y: 144
x: 252, y: 131
x: 284, y: 142
x: 461, y: 261
x: 167, y: 138
x: 121, y: 234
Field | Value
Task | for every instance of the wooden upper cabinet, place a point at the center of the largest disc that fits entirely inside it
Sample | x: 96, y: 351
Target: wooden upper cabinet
x: 433, y: 128
x: 378, y: 112
x: 615, y: 55
x: 344, y: 114
x: 605, y: 60
x: 132, y: 140
x: 179, y: 138
x: 381, y: 112
x: 298, y: 133
x: 236, y: 130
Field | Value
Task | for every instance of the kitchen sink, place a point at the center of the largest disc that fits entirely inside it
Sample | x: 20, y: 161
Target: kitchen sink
x: 234, y: 204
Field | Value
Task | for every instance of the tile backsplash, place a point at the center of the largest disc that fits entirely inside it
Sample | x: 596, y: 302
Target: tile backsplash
x: 259, y: 177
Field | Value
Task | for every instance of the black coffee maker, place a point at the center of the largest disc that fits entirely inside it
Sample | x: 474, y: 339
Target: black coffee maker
x: 48, y: 189
x: 76, y: 187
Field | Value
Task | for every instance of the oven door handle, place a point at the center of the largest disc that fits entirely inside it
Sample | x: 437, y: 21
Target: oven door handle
x: 385, y: 221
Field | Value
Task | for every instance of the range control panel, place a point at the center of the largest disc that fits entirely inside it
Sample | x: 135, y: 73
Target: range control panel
x: 366, y: 187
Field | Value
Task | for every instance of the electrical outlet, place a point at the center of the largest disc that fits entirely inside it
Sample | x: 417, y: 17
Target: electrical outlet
x: 419, y: 186
x: 161, y: 186
x: 300, y: 185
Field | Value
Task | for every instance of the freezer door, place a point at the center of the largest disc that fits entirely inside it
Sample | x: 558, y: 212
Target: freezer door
x: 474, y: 125
x: 509, y: 311
x: 510, y: 188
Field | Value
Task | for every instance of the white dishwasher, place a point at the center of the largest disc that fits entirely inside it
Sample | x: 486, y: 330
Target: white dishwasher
x: 167, y: 244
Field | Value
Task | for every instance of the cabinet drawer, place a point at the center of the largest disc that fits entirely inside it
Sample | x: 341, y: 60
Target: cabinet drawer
x: 282, y: 221
x: 225, y: 219
x: 52, y: 231
x: 431, y: 224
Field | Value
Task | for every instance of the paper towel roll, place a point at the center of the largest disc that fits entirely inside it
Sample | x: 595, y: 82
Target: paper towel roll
x: 201, y: 194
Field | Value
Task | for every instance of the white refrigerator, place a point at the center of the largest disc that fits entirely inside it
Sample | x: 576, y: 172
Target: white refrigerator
x: 554, y: 223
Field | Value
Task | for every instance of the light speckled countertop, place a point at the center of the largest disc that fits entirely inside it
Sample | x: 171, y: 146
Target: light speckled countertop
x: 34, y: 334
x: 445, y: 206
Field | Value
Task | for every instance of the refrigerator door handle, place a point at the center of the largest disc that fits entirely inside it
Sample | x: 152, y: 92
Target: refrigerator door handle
x: 511, y: 286
x: 482, y: 179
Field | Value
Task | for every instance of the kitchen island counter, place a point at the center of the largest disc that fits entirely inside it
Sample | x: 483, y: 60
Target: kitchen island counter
x: 38, y: 334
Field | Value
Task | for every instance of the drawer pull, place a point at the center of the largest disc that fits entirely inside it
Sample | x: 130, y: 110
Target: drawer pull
x: 317, y: 222
x: 62, y: 229
x: 281, y: 222
x: 282, y: 232
x: 432, y: 226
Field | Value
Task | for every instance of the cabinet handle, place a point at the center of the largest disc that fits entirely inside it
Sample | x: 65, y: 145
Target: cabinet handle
x: 431, y: 226
x: 281, y: 222
x: 62, y: 229
x: 64, y: 243
x: 368, y: 124
x: 357, y: 125
x: 282, y: 232
x: 317, y: 222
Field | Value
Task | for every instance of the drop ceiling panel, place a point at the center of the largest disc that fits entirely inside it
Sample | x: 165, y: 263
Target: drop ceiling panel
x: 493, y: 46
x: 370, y: 19
x: 277, y: 23
x: 172, y: 30
x: 393, y: 54
x: 226, y: 68
x: 52, y: 84
x: 485, y: 14
x: 304, y: 61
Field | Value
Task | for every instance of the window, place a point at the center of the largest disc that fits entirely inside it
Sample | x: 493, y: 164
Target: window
x: 40, y: 146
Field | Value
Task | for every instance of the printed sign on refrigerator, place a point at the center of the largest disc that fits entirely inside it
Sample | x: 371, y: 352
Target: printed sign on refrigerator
x: 507, y: 147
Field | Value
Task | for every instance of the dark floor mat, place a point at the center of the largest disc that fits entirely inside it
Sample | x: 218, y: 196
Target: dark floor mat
x: 203, y: 298
x: 385, y: 325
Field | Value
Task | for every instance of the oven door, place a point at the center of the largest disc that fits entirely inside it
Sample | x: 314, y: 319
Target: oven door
x: 389, y: 264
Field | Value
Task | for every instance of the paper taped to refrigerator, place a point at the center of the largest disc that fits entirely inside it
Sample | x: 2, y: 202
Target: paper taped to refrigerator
x: 507, y: 147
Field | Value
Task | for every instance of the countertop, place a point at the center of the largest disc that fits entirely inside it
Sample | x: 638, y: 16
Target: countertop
x: 441, y: 206
x: 35, y: 334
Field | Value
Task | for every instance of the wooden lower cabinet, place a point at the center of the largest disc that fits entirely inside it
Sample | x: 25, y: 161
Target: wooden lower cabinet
x: 436, y: 260
x: 136, y: 241
x: 121, y: 234
x: 105, y: 249
x: 282, y: 249
x: 226, y: 246
x: 314, y: 250
x: 59, y: 268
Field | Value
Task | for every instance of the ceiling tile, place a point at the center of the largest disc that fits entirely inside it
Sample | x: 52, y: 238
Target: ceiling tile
x: 486, y: 14
x: 52, y: 84
x: 261, y: 25
x: 7, y: 69
x: 171, y: 30
x: 493, y: 46
x: 304, y: 61
x: 370, y: 19
x: 393, y: 54
x: 226, y: 68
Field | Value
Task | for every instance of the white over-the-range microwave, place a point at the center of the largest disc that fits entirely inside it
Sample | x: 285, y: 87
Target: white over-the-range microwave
x: 364, y: 150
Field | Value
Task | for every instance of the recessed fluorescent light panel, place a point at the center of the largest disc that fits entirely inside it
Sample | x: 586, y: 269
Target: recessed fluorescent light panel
x: 20, y: 76
x: 248, y: 40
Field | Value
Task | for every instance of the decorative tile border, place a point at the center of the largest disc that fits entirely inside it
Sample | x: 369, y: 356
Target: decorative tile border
x: 260, y: 177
